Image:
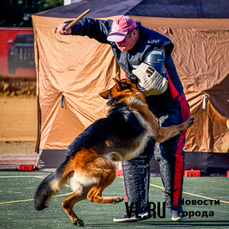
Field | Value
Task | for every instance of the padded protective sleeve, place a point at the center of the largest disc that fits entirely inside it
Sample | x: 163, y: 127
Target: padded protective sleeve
x: 156, y: 59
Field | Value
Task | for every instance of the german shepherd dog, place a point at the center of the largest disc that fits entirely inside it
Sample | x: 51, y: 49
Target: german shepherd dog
x: 122, y: 135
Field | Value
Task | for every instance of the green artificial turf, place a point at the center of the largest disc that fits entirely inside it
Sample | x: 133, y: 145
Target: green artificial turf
x: 16, y: 205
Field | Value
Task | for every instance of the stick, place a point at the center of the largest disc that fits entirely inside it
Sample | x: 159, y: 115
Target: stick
x: 77, y: 19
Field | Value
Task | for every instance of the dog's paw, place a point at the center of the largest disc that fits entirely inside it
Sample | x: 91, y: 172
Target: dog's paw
x: 190, y: 121
x: 117, y: 200
x: 78, y: 222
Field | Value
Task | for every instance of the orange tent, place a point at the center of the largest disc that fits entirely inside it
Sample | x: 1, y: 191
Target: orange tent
x: 72, y: 70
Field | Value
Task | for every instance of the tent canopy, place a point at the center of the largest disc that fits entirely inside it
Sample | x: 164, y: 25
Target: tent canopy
x: 73, y: 70
x: 148, y: 8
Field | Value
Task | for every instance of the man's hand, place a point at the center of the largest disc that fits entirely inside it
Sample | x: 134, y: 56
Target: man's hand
x: 62, y: 31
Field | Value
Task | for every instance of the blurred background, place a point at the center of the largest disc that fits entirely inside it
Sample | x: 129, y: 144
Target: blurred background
x: 18, y: 103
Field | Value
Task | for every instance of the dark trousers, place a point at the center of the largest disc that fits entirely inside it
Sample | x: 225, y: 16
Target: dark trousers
x: 170, y: 156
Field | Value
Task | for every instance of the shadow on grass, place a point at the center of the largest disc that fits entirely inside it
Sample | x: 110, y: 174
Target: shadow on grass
x: 163, y: 224
x: 9, y: 170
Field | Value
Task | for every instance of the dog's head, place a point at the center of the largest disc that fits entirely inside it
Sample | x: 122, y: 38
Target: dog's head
x: 122, y: 89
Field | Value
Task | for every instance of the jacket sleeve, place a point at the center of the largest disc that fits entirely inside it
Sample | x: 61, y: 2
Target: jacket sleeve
x: 97, y: 29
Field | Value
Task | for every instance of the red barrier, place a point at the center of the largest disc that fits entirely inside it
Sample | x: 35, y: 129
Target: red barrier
x: 25, y: 167
x: 192, y: 173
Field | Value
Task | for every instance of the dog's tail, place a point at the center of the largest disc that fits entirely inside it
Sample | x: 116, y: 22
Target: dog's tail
x: 51, y: 185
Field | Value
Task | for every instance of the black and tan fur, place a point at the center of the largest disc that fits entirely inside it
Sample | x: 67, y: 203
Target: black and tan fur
x: 122, y: 135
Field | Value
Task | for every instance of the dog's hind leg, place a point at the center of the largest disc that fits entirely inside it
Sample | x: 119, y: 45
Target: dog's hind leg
x: 95, y: 194
x: 78, y: 195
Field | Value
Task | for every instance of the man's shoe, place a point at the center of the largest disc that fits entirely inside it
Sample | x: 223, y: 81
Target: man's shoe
x: 125, y: 218
x: 177, y: 216
x: 144, y: 215
x: 132, y: 218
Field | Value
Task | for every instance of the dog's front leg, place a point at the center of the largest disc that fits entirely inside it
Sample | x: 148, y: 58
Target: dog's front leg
x: 171, y: 131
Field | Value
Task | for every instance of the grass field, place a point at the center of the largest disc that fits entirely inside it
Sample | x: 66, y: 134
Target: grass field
x: 16, y: 204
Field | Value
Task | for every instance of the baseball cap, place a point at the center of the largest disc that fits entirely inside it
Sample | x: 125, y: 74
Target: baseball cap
x: 120, y: 27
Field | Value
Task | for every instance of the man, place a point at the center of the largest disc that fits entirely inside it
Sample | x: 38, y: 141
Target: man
x: 144, y: 55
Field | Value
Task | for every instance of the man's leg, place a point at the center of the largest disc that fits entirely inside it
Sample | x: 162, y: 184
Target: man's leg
x: 171, y: 162
x: 136, y: 184
x: 170, y: 155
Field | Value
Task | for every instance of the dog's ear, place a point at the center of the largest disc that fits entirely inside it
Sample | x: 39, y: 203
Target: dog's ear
x: 105, y: 94
x: 118, y: 84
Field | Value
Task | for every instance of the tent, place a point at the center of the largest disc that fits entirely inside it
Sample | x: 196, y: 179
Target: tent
x: 72, y: 70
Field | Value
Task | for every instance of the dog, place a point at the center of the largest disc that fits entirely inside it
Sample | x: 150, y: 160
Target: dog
x: 122, y: 135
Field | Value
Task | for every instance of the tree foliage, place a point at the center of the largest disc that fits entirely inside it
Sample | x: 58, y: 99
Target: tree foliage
x: 17, y: 13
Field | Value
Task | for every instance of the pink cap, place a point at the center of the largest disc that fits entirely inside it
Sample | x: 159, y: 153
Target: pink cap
x: 120, y: 27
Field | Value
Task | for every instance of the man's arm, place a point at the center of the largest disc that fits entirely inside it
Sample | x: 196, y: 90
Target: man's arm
x: 151, y: 73
x: 156, y: 59
x: 97, y: 29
